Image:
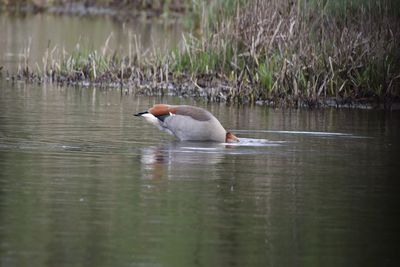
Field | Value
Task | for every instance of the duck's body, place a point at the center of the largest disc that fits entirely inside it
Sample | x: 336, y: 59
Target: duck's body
x: 187, y: 123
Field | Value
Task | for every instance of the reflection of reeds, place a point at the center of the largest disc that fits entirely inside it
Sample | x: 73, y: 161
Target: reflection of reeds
x: 151, y: 6
x: 291, y: 52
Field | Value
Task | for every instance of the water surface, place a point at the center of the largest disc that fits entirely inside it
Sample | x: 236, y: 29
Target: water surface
x: 27, y: 38
x: 85, y: 183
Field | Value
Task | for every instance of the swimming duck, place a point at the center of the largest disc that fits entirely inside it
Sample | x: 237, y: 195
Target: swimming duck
x: 187, y: 123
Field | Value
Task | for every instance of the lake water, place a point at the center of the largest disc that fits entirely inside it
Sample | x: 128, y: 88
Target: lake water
x: 85, y: 183
x: 28, y: 37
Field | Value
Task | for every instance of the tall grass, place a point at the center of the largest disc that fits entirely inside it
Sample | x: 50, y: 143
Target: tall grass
x: 292, y: 52
x: 306, y: 49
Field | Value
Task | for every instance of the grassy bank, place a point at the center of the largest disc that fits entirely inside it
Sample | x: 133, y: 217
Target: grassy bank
x: 304, y: 51
x: 291, y: 53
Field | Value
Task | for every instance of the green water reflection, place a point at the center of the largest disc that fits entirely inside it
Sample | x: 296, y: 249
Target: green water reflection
x: 84, y: 183
x: 27, y: 38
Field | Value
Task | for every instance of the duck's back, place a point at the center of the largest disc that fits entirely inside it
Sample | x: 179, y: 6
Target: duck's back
x: 192, y: 123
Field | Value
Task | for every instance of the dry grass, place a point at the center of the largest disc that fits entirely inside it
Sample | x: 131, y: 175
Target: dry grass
x: 282, y: 52
x: 308, y: 51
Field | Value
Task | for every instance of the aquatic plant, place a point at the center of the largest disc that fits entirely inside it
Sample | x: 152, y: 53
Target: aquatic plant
x: 282, y: 52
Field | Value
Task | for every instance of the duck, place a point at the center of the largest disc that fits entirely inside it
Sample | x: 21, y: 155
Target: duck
x: 187, y: 123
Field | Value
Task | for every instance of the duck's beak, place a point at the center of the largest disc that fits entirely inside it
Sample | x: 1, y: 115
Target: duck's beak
x: 140, y: 113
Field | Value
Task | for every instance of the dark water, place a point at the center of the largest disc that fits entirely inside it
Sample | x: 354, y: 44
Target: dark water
x: 84, y: 183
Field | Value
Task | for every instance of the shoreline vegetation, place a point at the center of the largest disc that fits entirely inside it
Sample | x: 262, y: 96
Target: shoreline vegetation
x: 297, y: 53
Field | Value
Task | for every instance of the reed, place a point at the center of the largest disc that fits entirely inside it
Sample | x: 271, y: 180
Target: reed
x: 283, y: 52
x: 306, y: 51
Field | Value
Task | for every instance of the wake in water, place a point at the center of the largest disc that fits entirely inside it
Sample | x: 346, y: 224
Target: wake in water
x: 310, y: 133
x: 256, y: 142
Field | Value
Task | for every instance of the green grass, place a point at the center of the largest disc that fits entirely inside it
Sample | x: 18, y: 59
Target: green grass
x: 269, y: 49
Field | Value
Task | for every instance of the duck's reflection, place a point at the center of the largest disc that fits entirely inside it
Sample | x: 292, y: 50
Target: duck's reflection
x: 181, y: 160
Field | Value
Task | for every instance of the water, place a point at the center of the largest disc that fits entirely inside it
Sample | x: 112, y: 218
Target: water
x: 27, y: 38
x: 85, y: 183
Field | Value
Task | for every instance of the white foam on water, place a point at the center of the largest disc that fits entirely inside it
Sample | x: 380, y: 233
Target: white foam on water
x: 256, y: 142
x: 300, y: 133
x: 200, y: 148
